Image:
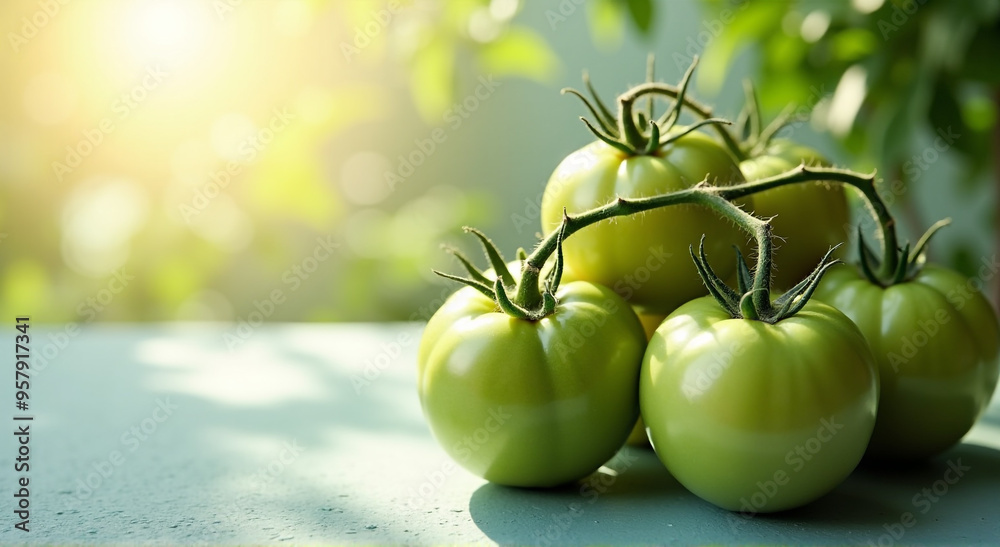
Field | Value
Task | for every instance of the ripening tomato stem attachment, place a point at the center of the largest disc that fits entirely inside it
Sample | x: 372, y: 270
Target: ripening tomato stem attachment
x: 532, y: 298
x: 896, y: 265
x: 625, y: 131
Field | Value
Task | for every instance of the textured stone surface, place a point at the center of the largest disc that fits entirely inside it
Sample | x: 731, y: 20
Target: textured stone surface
x: 271, y: 443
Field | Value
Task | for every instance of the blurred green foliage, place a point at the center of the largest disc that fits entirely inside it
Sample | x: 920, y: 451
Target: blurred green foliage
x: 883, y: 77
x: 206, y: 200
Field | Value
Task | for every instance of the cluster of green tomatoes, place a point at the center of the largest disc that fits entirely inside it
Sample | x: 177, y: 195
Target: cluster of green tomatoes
x: 785, y: 374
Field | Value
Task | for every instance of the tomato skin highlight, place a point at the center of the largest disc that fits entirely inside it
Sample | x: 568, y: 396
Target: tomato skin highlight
x: 937, y: 343
x: 756, y: 417
x: 810, y: 218
x: 643, y: 258
x: 532, y: 403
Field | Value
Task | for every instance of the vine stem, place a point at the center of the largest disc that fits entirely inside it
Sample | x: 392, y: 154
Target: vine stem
x: 863, y: 183
x: 719, y: 199
x: 866, y: 185
x: 529, y: 297
x: 628, y: 99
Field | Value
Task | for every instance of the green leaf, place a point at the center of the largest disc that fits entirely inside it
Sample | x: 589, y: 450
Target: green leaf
x: 751, y: 22
x: 852, y: 44
x: 606, y: 19
x: 642, y: 13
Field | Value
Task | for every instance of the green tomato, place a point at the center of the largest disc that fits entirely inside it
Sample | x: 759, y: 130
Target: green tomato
x: 643, y: 258
x: 756, y: 417
x: 936, y: 340
x: 532, y: 403
x: 810, y: 218
x: 638, y: 436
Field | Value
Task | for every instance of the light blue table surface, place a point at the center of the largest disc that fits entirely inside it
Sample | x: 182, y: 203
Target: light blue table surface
x: 276, y: 441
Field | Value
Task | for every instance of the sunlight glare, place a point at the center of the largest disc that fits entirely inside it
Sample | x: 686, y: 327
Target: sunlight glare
x: 168, y: 31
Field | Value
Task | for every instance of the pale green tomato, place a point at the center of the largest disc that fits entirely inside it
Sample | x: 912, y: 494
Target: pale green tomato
x: 756, y: 417
x: 644, y: 258
x: 937, y: 342
x: 532, y: 403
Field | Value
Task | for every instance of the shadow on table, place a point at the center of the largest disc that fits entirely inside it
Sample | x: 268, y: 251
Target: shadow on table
x: 646, y: 505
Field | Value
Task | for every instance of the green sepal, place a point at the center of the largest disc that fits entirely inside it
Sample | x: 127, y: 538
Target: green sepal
x: 600, y: 120
x: 752, y: 107
x: 802, y: 285
x: 800, y: 302
x: 609, y: 140
x: 474, y: 272
x: 902, y: 265
x: 731, y: 295
x: 513, y: 310
x: 482, y: 288
x: 672, y: 116
x: 711, y: 281
x: 866, y: 258
x: 918, y: 257
x: 764, y: 139
x: 640, y: 119
x: 654, y: 138
x: 555, y: 276
x: 607, y: 116
x: 650, y: 78
x: 692, y: 128
x: 744, y: 279
x: 792, y: 301
x: 494, y: 256
x: 747, y: 310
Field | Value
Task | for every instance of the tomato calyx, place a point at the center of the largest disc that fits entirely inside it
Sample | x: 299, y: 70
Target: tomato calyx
x: 908, y: 263
x: 625, y: 130
x: 533, y: 296
x: 498, y: 289
x: 751, y: 299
